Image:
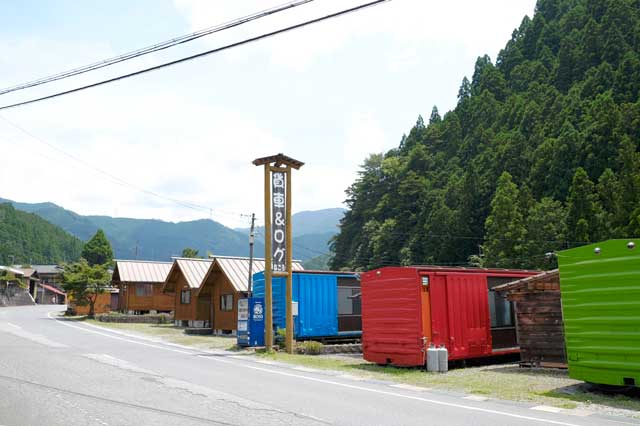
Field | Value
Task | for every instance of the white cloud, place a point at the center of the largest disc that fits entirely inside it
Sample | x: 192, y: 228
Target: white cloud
x: 329, y: 95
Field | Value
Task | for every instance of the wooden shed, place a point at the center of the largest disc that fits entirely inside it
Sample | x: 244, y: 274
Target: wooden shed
x: 140, y: 284
x: 539, y: 319
x: 105, y: 303
x: 226, y: 282
x: 192, y: 303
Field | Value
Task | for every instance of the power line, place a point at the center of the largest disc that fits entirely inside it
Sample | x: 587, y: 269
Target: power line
x: 118, y: 180
x: 155, y: 47
x: 199, y: 55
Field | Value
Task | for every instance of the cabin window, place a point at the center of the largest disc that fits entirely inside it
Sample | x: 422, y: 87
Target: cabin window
x: 143, y: 290
x: 501, y: 310
x: 349, y: 301
x: 185, y: 297
x: 226, y: 302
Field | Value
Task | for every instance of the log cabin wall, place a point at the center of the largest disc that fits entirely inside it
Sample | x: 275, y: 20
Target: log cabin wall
x: 539, y: 316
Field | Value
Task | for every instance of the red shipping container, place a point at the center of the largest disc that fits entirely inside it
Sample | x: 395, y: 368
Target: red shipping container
x: 404, y: 309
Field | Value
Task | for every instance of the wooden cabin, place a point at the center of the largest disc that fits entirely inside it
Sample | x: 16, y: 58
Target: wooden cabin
x: 140, y: 284
x: 540, y: 328
x: 105, y: 303
x: 184, y: 281
x: 226, y: 282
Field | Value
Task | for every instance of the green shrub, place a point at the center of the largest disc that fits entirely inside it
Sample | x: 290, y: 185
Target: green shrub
x: 281, y: 334
x: 309, y: 348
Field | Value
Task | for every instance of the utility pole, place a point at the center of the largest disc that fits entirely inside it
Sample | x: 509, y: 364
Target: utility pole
x: 252, y: 239
x: 136, y: 249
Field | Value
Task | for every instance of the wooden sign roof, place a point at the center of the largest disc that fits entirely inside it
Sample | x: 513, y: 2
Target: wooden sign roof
x: 278, y: 160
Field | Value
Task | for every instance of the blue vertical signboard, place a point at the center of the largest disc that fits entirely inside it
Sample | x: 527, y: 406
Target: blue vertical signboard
x: 251, y: 322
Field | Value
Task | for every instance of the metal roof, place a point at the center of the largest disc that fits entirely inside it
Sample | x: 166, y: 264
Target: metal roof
x: 194, y: 270
x: 547, y: 275
x: 132, y: 271
x: 52, y: 289
x: 14, y: 271
x: 47, y: 269
x: 28, y: 272
x: 237, y: 269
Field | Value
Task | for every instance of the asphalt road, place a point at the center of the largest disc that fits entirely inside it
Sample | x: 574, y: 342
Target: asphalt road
x: 56, y: 372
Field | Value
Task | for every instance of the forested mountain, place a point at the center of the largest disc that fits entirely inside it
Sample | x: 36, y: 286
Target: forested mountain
x: 540, y: 153
x: 27, y: 238
x: 159, y: 240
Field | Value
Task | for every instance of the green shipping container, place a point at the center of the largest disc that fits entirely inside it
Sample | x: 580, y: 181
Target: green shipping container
x: 600, y: 290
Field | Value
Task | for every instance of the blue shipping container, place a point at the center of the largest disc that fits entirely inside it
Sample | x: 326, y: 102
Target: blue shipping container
x: 317, y: 298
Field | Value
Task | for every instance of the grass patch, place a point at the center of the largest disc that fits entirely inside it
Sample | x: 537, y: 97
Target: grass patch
x: 585, y: 394
x: 171, y: 333
x: 506, y: 381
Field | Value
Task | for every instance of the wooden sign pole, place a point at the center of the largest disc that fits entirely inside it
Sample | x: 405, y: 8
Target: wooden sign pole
x: 268, y: 316
x: 275, y: 167
x: 289, y: 290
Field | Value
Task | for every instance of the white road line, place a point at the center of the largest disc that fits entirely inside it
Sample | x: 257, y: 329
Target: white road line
x: 119, y: 338
x: 334, y: 383
x: 478, y: 398
x: 306, y: 369
x: 410, y: 387
x: 547, y: 408
x: 399, y: 395
x: 351, y: 377
x: 13, y: 325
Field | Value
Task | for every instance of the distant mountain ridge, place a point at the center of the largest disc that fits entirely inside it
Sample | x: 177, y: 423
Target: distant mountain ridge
x: 159, y: 240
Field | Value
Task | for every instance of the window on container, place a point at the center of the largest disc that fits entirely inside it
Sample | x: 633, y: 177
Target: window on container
x: 143, y: 290
x: 226, y: 302
x: 501, y: 310
x: 185, y: 297
x: 349, y: 301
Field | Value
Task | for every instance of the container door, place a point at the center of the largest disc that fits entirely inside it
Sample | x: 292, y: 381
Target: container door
x: 426, y: 309
x: 468, y: 315
x: 391, y: 317
x: 317, y: 297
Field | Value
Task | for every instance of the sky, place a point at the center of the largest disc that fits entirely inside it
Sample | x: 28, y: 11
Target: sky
x: 146, y: 147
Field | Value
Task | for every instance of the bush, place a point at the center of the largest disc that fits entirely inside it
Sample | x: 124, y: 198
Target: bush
x: 281, y: 334
x: 310, y: 348
x: 145, y: 319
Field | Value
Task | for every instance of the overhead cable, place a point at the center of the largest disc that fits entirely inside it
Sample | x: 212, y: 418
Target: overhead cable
x: 154, y: 48
x: 198, y: 55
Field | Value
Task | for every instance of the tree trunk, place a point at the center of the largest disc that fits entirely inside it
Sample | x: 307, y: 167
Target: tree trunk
x: 92, y: 306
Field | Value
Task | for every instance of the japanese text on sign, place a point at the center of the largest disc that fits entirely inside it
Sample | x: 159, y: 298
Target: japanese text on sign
x: 278, y: 204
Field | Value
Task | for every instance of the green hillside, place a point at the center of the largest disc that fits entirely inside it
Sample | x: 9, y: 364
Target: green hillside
x: 27, y: 238
x: 159, y: 240
x: 540, y: 153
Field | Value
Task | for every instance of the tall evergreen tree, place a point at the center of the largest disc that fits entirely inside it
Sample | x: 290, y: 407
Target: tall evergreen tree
x: 584, y: 211
x: 97, y: 251
x: 505, y: 230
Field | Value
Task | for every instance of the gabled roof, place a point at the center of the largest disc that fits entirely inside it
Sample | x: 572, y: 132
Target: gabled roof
x: 278, y: 159
x: 237, y: 269
x: 53, y: 289
x: 141, y: 271
x: 14, y: 271
x: 194, y: 270
x: 524, y: 282
x: 28, y: 272
x: 47, y: 269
